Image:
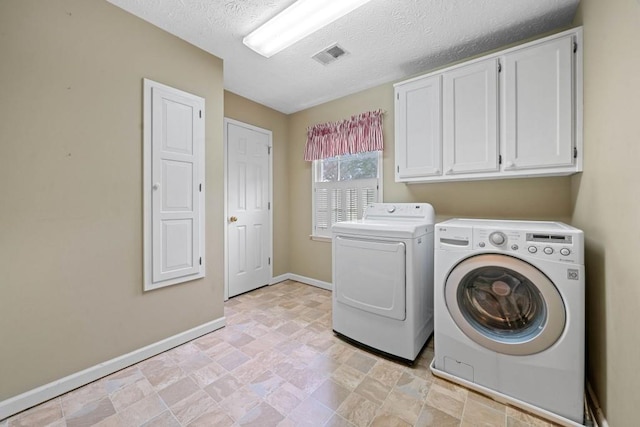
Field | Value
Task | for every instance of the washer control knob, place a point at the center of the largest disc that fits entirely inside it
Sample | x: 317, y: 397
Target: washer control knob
x: 532, y: 249
x: 565, y: 251
x: 514, y: 247
x: 481, y: 244
x: 497, y: 238
x: 548, y: 250
x: 391, y: 208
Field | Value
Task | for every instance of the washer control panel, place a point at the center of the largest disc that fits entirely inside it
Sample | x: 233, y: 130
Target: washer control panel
x: 551, y: 246
x: 540, y: 240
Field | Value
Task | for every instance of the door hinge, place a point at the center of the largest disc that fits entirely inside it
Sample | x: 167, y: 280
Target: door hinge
x: 268, y: 150
x: 575, y: 47
x: 200, y: 260
x: 377, y: 187
x: 398, y: 96
x: 268, y: 205
x: 269, y: 261
x: 499, y: 159
x: 575, y: 152
x: 398, y: 169
x: 200, y: 113
x: 499, y: 67
x: 201, y: 188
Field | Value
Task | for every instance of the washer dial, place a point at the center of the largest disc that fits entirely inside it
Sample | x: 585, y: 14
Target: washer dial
x: 497, y: 238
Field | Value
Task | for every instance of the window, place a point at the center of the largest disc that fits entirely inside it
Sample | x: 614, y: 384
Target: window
x: 343, y: 186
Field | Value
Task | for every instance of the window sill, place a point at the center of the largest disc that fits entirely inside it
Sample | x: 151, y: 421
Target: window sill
x: 320, y: 238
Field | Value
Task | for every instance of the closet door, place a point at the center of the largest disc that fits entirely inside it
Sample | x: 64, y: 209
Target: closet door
x: 249, y: 229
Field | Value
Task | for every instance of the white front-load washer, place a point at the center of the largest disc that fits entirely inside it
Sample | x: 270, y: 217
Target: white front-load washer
x: 509, y: 313
x: 383, y: 278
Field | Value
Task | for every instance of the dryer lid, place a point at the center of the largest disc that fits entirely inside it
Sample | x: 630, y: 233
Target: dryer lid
x: 400, y: 220
x: 381, y: 229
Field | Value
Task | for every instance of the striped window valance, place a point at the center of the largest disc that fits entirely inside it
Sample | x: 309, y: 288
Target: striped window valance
x: 359, y: 134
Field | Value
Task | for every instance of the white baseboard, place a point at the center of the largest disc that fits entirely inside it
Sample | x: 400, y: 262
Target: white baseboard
x: 280, y: 278
x: 595, y: 410
x: 302, y: 279
x: 43, y: 393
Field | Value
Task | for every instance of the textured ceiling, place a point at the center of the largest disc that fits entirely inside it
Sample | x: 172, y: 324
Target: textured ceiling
x: 387, y: 40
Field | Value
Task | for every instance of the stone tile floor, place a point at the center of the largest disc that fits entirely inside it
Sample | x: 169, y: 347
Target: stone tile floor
x: 276, y: 363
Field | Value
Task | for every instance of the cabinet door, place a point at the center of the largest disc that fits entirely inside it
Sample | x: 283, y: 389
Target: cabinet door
x: 470, y: 123
x: 418, y: 126
x: 538, y: 119
x: 174, y: 144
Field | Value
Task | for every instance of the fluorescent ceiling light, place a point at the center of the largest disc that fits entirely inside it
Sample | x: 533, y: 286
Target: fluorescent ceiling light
x: 297, y: 22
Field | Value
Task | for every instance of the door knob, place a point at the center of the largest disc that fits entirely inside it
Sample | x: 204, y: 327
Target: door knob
x: 233, y: 219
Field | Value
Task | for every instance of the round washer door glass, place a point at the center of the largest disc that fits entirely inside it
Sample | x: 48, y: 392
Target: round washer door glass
x: 505, y: 304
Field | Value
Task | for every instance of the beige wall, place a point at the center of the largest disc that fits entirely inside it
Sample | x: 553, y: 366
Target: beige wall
x: 70, y: 188
x: 532, y: 198
x: 71, y: 209
x: 607, y: 204
x: 247, y: 111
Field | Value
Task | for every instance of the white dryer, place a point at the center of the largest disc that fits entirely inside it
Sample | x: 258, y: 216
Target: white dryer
x: 383, y: 278
x: 509, y: 313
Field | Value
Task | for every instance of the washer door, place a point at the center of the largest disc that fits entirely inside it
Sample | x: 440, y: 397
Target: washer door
x: 505, y: 304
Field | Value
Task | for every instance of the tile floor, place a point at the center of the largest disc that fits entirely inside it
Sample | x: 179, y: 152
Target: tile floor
x: 276, y: 363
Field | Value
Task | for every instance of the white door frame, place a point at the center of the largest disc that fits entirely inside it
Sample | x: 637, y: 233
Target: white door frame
x: 228, y: 121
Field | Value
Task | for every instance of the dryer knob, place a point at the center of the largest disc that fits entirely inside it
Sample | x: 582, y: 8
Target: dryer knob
x: 565, y: 251
x: 548, y: 250
x: 497, y: 238
x: 391, y: 208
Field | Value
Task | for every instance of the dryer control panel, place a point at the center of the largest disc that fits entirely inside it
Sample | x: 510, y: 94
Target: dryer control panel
x: 402, y: 211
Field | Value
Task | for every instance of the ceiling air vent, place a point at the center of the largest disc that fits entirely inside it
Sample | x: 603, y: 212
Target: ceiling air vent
x: 330, y: 54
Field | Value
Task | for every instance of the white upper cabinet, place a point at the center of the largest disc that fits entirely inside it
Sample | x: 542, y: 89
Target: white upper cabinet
x: 419, y: 123
x: 514, y: 113
x: 470, y: 124
x: 538, y: 101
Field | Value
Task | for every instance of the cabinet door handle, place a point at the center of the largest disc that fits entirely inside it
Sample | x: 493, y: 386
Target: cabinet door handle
x: 449, y: 171
x: 509, y: 165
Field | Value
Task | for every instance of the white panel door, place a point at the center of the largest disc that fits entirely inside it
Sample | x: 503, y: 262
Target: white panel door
x: 248, y: 207
x: 418, y: 129
x: 470, y: 123
x: 175, y: 154
x: 538, y: 109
